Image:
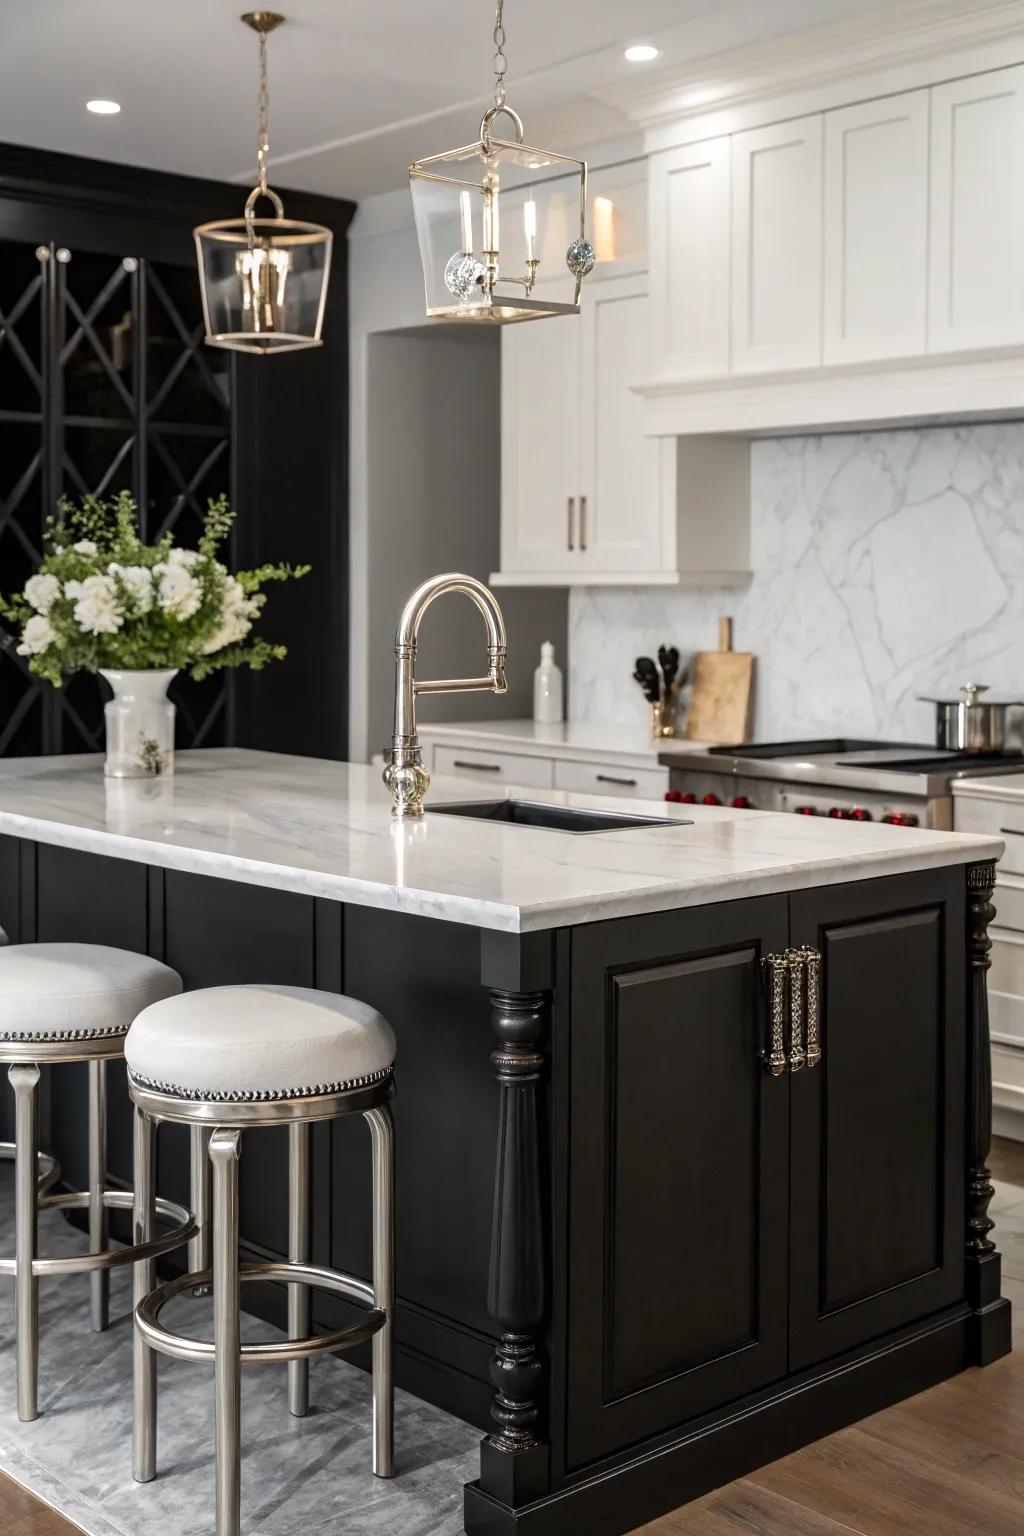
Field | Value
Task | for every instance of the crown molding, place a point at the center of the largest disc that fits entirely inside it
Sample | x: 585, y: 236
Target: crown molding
x: 912, y: 32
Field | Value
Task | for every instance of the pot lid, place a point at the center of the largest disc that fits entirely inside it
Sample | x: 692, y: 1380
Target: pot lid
x: 971, y: 695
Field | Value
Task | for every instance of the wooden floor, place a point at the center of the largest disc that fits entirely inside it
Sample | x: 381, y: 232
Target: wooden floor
x: 947, y: 1463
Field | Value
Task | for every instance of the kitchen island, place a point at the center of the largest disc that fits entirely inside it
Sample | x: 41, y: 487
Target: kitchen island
x: 729, y: 1191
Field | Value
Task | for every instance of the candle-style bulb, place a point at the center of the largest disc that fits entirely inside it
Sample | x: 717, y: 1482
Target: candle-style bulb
x: 530, y: 229
x: 466, y: 221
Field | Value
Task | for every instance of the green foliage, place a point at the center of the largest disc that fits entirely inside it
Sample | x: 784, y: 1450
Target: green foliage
x: 102, y: 598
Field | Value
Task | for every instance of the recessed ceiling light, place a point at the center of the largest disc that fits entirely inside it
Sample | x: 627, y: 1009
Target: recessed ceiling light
x: 641, y: 53
x: 103, y: 108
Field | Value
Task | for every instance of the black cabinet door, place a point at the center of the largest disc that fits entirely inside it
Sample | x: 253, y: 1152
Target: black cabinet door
x: 678, y: 1173
x: 877, y: 1211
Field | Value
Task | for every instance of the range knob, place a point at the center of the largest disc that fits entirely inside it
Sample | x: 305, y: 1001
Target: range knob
x: 806, y: 810
x: 741, y: 803
x: 860, y: 814
x: 838, y: 814
x: 901, y: 819
x: 689, y: 798
x: 711, y: 800
x: 675, y: 795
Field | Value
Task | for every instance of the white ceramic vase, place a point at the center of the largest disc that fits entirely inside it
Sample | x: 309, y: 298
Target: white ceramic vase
x: 140, y: 724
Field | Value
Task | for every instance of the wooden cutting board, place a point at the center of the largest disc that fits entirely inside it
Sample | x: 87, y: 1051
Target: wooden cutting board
x: 723, y: 692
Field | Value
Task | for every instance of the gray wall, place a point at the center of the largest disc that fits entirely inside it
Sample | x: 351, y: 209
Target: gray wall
x: 433, y: 498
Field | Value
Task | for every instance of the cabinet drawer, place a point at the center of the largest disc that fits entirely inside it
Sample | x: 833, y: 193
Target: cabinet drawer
x: 995, y: 818
x: 494, y: 767
x: 608, y: 779
x: 1007, y: 973
x: 1009, y: 905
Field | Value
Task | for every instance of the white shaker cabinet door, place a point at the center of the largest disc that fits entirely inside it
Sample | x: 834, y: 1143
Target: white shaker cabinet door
x: 876, y: 229
x: 540, y: 431
x: 689, y: 221
x: 976, y: 291
x: 777, y: 246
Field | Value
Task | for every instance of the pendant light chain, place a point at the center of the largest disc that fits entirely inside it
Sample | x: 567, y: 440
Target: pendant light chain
x: 263, y: 112
x: 500, y: 60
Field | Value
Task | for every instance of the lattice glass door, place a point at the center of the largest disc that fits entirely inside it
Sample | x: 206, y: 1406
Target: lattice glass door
x: 103, y: 386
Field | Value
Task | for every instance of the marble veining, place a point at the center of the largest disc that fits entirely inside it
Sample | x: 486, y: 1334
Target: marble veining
x: 325, y: 829
x: 887, y: 564
x: 300, y: 1477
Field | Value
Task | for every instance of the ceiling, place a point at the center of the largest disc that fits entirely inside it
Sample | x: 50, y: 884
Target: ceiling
x: 358, y: 87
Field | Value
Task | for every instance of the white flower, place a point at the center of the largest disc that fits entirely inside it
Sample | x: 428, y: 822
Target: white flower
x: 85, y: 547
x: 96, y: 610
x: 138, y: 581
x: 74, y: 588
x: 186, y: 557
x: 42, y: 591
x: 179, y: 592
x: 36, y: 636
x: 235, y: 619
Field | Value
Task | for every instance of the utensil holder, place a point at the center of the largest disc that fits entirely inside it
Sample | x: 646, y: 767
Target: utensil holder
x: 663, y: 714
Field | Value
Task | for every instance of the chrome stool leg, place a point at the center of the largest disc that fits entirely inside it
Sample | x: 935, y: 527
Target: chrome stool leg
x: 99, y: 1226
x: 298, y: 1252
x: 200, y: 1176
x: 24, y: 1079
x: 382, y: 1133
x: 224, y: 1153
x: 144, y: 1358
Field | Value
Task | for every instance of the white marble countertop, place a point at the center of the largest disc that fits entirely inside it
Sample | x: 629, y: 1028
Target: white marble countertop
x: 996, y: 786
x: 325, y: 829
x: 626, y: 746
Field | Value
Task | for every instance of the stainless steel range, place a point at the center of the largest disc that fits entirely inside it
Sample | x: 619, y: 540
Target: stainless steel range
x: 895, y: 782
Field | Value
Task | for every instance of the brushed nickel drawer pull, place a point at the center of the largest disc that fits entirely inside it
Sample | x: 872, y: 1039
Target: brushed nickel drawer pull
x: 583, y: 524
x: 774, y: 968
x: 609, y: 778
x: 477, y: 767
x: 570, y: 512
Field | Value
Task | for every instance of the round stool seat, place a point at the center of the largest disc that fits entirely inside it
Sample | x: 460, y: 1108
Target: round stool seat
x: 258, y: 1042
x: 76, y: 991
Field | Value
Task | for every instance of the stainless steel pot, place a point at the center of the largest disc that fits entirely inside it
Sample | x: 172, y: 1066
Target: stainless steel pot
x: 970, y: 723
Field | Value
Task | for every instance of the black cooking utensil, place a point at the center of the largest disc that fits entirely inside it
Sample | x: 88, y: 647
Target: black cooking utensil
x: 668, y: 658
x: 646, y: 675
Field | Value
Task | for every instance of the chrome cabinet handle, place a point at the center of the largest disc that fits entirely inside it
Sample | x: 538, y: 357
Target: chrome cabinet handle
x: 477, y: 767
x: 583, y: 524
x: 774, y: 968
x: 609, y: 778
x: 570, y: 512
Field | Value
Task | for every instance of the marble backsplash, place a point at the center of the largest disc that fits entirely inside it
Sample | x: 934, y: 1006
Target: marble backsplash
x: 887, y: 564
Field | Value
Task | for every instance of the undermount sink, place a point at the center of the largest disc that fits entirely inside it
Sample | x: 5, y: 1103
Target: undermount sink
x: 557, y: 818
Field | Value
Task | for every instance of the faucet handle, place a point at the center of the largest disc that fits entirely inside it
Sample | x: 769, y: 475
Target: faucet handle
x: 496, y: 655
x: 407, y: 780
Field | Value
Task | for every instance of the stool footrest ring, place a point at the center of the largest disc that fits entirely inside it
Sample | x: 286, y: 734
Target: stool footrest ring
x: 180, y: 1347
x: 111, y: 1258
x: 48, y: 1166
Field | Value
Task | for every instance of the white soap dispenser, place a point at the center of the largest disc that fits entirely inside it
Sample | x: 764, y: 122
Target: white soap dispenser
x: 548, y: 692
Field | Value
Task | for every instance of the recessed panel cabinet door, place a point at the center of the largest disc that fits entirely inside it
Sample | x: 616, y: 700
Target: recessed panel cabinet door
x: 876, y: 229
x: 540, y: 451
x: 878, y: 1152
x: 690, y: 219
x: 678, y: 1173
x: 777, y: 246
x: 976, y: 289
x: 621, y: 521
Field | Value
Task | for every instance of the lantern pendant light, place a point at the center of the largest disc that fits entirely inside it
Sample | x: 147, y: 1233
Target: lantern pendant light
x: 499, y: 222
x: 263, y: 280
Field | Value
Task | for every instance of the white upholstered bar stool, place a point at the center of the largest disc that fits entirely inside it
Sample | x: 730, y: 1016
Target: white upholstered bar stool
x: 61, y: 1003
x: 236, y: 1058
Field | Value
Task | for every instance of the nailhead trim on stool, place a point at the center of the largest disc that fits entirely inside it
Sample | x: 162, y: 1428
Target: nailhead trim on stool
x: 22, y: 1036
x: 263, y: 1095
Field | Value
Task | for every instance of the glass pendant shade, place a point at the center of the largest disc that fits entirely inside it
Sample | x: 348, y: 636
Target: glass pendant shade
x: 263, y: 281
x: 501, y: 228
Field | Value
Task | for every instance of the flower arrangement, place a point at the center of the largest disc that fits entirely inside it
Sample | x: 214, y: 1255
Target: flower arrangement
x: 101, y: 599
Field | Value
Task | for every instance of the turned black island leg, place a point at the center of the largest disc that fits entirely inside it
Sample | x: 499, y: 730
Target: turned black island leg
x: 992, y: 1312
x: 514, y: 1458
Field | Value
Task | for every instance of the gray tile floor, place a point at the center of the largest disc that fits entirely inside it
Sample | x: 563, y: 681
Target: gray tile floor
x: 298, y: 1475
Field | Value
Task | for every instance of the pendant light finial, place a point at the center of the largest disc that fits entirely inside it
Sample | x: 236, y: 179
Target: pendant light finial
x: 509, y: 179
x: 263, y: 280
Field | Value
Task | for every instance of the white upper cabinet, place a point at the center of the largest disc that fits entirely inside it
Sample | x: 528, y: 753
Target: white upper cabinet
x: 690, y: 218
x: 540, y: 444
x: 976, y: 291
x: 777, y: 246
x: 620, y: 482
x: 876, y: 229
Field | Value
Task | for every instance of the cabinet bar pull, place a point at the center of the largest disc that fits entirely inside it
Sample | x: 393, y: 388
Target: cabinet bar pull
x: 477, y: 767
x: 570, y: 512
x: 583, y: 524
x: 813, y: 960
x: 609, y: 778
x: 775, y: 968
x: 797, y: 1054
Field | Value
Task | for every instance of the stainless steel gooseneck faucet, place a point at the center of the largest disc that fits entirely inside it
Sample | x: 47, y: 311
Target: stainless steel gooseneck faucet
x: 405, y: 775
